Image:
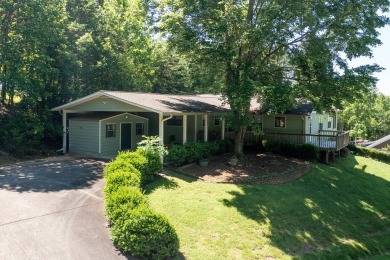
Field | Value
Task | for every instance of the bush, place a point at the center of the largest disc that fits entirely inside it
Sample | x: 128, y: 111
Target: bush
x: 195, y: 151
x: 122, y: 200
x: 369, y: 152
x: 119, y: 164
x: 146, y: 164
x: 122, y: 178
x: 153, y: 166
x: 145, y: 234
x: 304, y: 151
x: 177, y: 155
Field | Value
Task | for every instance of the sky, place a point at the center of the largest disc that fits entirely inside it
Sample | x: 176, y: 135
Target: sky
x: 382, y: 58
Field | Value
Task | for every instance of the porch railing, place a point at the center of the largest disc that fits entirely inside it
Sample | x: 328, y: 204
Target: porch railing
x: 326, y: 140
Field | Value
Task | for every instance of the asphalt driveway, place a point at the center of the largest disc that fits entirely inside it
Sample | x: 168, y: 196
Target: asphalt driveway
x: 54, y: 210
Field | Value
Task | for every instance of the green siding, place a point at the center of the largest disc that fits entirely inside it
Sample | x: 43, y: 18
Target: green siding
x: 153, y: 122
x: 84, y: 136
x: 294, y: 124
x: 111, y: 146
x: 107, y: 105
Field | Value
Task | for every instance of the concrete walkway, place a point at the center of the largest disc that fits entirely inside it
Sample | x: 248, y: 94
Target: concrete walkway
x: 54, y: 209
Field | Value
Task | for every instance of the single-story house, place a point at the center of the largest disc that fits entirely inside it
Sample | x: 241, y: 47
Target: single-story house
x: 106, y: 122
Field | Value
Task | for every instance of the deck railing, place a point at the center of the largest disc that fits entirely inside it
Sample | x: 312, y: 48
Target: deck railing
x: 326, y: 140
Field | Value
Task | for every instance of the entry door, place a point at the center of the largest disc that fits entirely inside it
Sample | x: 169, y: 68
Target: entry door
x: 125, y: 136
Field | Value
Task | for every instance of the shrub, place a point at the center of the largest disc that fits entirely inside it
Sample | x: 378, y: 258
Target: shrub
x: 119, y: 164
x: 177, y: 155
x: 224, y: 146
x: 122, y: 178
x: 145, y: 234
x: 303, y: 151
x: 195, y: 151
x: 119, y: 202
x: 147, y: 164
x: 369, y: 152
x: 153, y: 166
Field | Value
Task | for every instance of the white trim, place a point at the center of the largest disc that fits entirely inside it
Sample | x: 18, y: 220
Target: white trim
x: 206, y: 128
x: 78, y: 101
x: 133, y: 104
x: 100, y: 94
x: 111, y: 117
x: 223, y: 129
x: 143, y: 128
x: 64, y: 131
x: 100, y: 136
x: 120, y: 135
x: 196, y: 127
x: 184, y: 129
x: 285, y: 122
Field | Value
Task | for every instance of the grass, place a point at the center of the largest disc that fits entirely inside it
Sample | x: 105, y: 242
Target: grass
x: 337, y: 211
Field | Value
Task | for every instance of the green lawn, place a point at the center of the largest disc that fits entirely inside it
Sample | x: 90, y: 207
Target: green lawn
x: 335, y: 211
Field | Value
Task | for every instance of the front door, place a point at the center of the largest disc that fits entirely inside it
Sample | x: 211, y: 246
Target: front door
x: 125, y: 136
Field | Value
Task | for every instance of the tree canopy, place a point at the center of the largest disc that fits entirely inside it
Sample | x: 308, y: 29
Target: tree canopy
x: 278, y: 50
x: 53, y: 51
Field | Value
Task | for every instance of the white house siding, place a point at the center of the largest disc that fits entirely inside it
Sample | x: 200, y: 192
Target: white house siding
x: 315, y: 119
x: 83, y: 136
x: 111, y: 145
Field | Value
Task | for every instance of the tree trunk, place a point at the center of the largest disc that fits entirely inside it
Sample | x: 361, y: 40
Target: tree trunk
x: 4, y: 88
x: 239, y: 143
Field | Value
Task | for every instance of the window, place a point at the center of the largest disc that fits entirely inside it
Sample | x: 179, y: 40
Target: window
x: 139, y: 128
x: 280, y: 121
x: 110, y: 130
x: 330, y: 119
x: 320, y: 123
x: 217, y: 120
x: 175, y: 121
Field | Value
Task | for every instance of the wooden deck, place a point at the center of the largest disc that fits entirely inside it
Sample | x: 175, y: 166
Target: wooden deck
x: 328, y: 141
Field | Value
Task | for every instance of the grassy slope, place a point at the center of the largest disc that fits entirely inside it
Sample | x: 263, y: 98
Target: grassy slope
x: 333, y: 211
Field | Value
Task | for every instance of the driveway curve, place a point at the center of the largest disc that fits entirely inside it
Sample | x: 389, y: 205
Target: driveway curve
x: 54, y: 209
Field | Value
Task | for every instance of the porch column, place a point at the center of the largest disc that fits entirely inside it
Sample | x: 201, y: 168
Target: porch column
x: 196, y: 128
x: 184, y: 129
x: 206, y: 128
x: 161, y: 132
x: 161, y: 128
x: 223, y: 130
x: 64, y: 131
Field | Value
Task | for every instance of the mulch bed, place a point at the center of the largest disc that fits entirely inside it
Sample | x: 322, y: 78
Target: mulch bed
x: 257, y: 168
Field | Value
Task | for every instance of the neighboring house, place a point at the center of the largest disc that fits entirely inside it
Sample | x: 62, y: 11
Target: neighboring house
x: 380, y: 143
x: 106, y: 122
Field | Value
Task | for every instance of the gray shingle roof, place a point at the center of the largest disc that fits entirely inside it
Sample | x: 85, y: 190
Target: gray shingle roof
x: 172, y: 103
x: 163, y: 103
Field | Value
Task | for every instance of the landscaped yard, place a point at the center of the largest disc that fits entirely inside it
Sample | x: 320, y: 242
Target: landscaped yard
x: 334, y: 211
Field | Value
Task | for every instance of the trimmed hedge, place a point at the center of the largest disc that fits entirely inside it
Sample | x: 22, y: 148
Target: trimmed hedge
x: 195, y: 151
x: 120, y: 178
x: 369, y: 152
x: 125, y: 198
x: 134, y: 227
x: 145, y: 234
x: 146, y: 163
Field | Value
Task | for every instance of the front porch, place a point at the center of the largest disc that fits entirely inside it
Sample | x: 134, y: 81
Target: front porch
x: 328, y: 141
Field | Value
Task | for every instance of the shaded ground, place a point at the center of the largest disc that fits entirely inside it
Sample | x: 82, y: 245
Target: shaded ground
x: 264, y: 168
x: 53, y: 209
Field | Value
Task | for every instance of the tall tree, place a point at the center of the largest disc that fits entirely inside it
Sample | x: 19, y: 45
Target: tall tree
x: 278, y: 50
x: 368, y: 117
